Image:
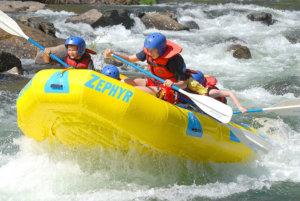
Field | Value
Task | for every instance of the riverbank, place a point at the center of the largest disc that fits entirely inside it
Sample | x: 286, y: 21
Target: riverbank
x: 276, y: 4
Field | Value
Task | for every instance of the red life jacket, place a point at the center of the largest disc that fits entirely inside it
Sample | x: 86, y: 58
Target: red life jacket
x: 83, y: 62
x: 211, y: 84
x: 158, y: 66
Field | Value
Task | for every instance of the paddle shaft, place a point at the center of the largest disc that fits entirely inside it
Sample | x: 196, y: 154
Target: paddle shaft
x: 144, y: 71
x: 52, y: 55
x: 11, y: 27
x: 272, y: 109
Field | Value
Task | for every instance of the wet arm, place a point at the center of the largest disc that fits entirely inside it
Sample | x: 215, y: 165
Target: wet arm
x: 221, y: 93
x: 47, y: 55
x: 130, y: 58
x: 181, y: 84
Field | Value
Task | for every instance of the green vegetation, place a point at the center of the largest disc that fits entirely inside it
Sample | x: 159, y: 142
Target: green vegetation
x: 147, y: 2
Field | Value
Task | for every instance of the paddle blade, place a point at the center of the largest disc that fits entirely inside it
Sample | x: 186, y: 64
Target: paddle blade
x: 213, y: 107
x: 292, y: 102
x: 251, y: 140
x: 287, y: 107
x: 10, y: 26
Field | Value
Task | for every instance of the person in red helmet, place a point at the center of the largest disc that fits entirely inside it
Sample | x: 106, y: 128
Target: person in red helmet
x: 164, y: 60
x: 78, y: 56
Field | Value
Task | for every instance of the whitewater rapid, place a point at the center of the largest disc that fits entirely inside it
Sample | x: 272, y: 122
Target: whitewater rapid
x: 36, y: 171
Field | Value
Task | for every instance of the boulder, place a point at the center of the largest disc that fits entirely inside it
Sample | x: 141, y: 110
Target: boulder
x: 114, y: 17
x: 265, y: 18
x: 39, y: 23
x: 20, y: 6
x: 9, y: 61
x: 290, y: 84
x: 293, y: 35
x: 240, y: 52
x: 293, y: 39
x: 162, y: 22
x: 89, y: 17
x: 12, y: 82
x: 171, y: 14
x: 57, y: 51
x: 191, y: 24
x: 22, y: 48
x: 12, y: 71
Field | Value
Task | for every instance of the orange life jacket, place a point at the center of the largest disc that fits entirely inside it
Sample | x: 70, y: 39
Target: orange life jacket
x: 83, y: 62
x: 158, y: 66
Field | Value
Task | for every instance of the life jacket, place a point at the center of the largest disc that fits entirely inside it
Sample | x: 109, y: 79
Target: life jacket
x: 83, y: 62
x: 196, y: 87
x: 158, y: 66
x: 211, y: 84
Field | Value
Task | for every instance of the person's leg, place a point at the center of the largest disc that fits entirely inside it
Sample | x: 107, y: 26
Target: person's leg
x: 142, y: 84
x: 150, y: 90
x: 162, y: 92
x: 135, y: 81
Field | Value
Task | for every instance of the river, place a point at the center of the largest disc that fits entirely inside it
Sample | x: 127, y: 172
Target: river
x: 31, y: 170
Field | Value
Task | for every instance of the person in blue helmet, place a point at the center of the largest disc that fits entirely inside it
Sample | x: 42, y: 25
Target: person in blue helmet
x: 206, y: 85
x: 199, y: 76
x: 111, y: 71
x: 78, y: 56
x: 164, y: 60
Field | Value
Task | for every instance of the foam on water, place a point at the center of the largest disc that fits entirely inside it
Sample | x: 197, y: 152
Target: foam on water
x: 66, y: 173
x: 39, y: 171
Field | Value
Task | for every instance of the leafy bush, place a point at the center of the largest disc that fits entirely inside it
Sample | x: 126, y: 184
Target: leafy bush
x: 147, y: 2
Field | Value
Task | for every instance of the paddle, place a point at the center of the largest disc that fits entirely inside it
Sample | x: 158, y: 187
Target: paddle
x: 10, y: 26
x: 210, y: 106
x: 287, y: 107
x: 251, y: 140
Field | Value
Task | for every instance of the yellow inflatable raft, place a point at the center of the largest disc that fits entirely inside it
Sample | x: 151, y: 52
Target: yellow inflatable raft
x: 83, y: 107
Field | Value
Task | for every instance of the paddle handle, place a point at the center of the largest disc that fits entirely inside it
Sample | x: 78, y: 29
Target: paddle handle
x: 255, y: 110
x: 52, y: 55
x: 294, y: 108
x: 144, y: 71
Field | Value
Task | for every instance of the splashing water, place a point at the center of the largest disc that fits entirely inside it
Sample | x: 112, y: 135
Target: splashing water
x: 31, y: 170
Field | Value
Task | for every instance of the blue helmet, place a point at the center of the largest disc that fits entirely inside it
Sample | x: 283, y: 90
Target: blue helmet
x: 111, y: 71
x: 156, y: 41
x: 200, y: 78
x: 77, y: 41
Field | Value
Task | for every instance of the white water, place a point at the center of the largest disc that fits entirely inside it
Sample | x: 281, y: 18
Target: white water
x: 39, y: 171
